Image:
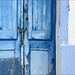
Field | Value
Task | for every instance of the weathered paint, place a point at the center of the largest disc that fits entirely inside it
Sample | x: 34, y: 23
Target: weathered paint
x: 39, y: 46
x: 10, y: 20
x: 10, y: 66
x: 10, y: 63
x: 66, y: 38
x: 21, y: 43
x: 38, y: 28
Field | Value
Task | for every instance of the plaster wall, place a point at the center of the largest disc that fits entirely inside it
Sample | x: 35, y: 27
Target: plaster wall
x: 71, y: 22
x: 65, y: 38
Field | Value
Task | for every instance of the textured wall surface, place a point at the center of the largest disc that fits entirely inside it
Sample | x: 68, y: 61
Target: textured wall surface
x: 67, y: 37
x: 71, y: 22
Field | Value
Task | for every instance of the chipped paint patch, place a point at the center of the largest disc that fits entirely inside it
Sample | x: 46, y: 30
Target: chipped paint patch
x: 10, y: 66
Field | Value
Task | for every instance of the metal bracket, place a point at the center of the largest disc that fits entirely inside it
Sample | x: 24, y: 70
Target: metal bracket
x: 22, y: 31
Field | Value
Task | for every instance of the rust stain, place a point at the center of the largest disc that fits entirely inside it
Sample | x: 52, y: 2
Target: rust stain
x: 4, y: 59
x: 68, y: 5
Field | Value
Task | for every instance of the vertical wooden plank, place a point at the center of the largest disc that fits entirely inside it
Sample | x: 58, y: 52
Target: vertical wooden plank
x: 30, y: 18
x: 3, y: 14
x: 34, y: 15
x: 44, y: 15
x: 18, y: 47
x: 39, y: 14
x: 8, y: 19
x: 49, y: 20
x: 22, y: 46
x: 40, y: 18
x: 8, y: 14
x: 14, y: 17
x: 26, y: 41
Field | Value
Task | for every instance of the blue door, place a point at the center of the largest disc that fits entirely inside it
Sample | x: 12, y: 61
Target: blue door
x: 9, y: 37
x: 30, y: 52
x: 39, y: 17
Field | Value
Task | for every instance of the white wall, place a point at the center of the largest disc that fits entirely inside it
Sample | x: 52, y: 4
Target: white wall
x: 71, y: 25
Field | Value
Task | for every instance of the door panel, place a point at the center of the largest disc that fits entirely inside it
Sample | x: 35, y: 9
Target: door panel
x: 10, y: 66
x: 6, y: 54
x: 9, y: 22
x: 39, y: 19
x: 39, y: 52
x: 7, y: 45
x: 8, y: 19
x: 39, y: 62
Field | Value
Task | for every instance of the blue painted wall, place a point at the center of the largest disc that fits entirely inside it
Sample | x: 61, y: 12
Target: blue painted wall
x: 67, y: 51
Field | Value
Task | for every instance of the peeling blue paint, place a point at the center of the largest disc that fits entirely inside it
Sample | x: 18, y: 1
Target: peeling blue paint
x: 39, y: 40
x: 10, y: 66
x: 67, y: 51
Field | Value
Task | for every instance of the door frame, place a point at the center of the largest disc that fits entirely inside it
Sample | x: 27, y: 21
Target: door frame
x: 58, y: 47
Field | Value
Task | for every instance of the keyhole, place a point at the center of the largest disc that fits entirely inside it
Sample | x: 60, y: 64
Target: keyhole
x: 27, y: 19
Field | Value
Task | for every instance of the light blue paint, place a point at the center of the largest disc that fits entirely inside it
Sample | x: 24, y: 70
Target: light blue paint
x: 7, y: 42
x: 18, y: 46
x: 7, y: 45
x: 10, y: 37
x: 67, y: 51
x: 36, y: 42
x: 8, y: 19
x: 39, y: 62
x: 68, y: 60
x: 39, y: 39
x: 6, y: 54
x: 35, y: 22
x: 64, y: 22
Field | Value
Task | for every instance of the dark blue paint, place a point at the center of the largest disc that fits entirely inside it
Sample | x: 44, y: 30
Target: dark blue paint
x: 10, y: 66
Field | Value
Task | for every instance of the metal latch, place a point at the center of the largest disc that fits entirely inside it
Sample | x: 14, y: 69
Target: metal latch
x: 22, y: 31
